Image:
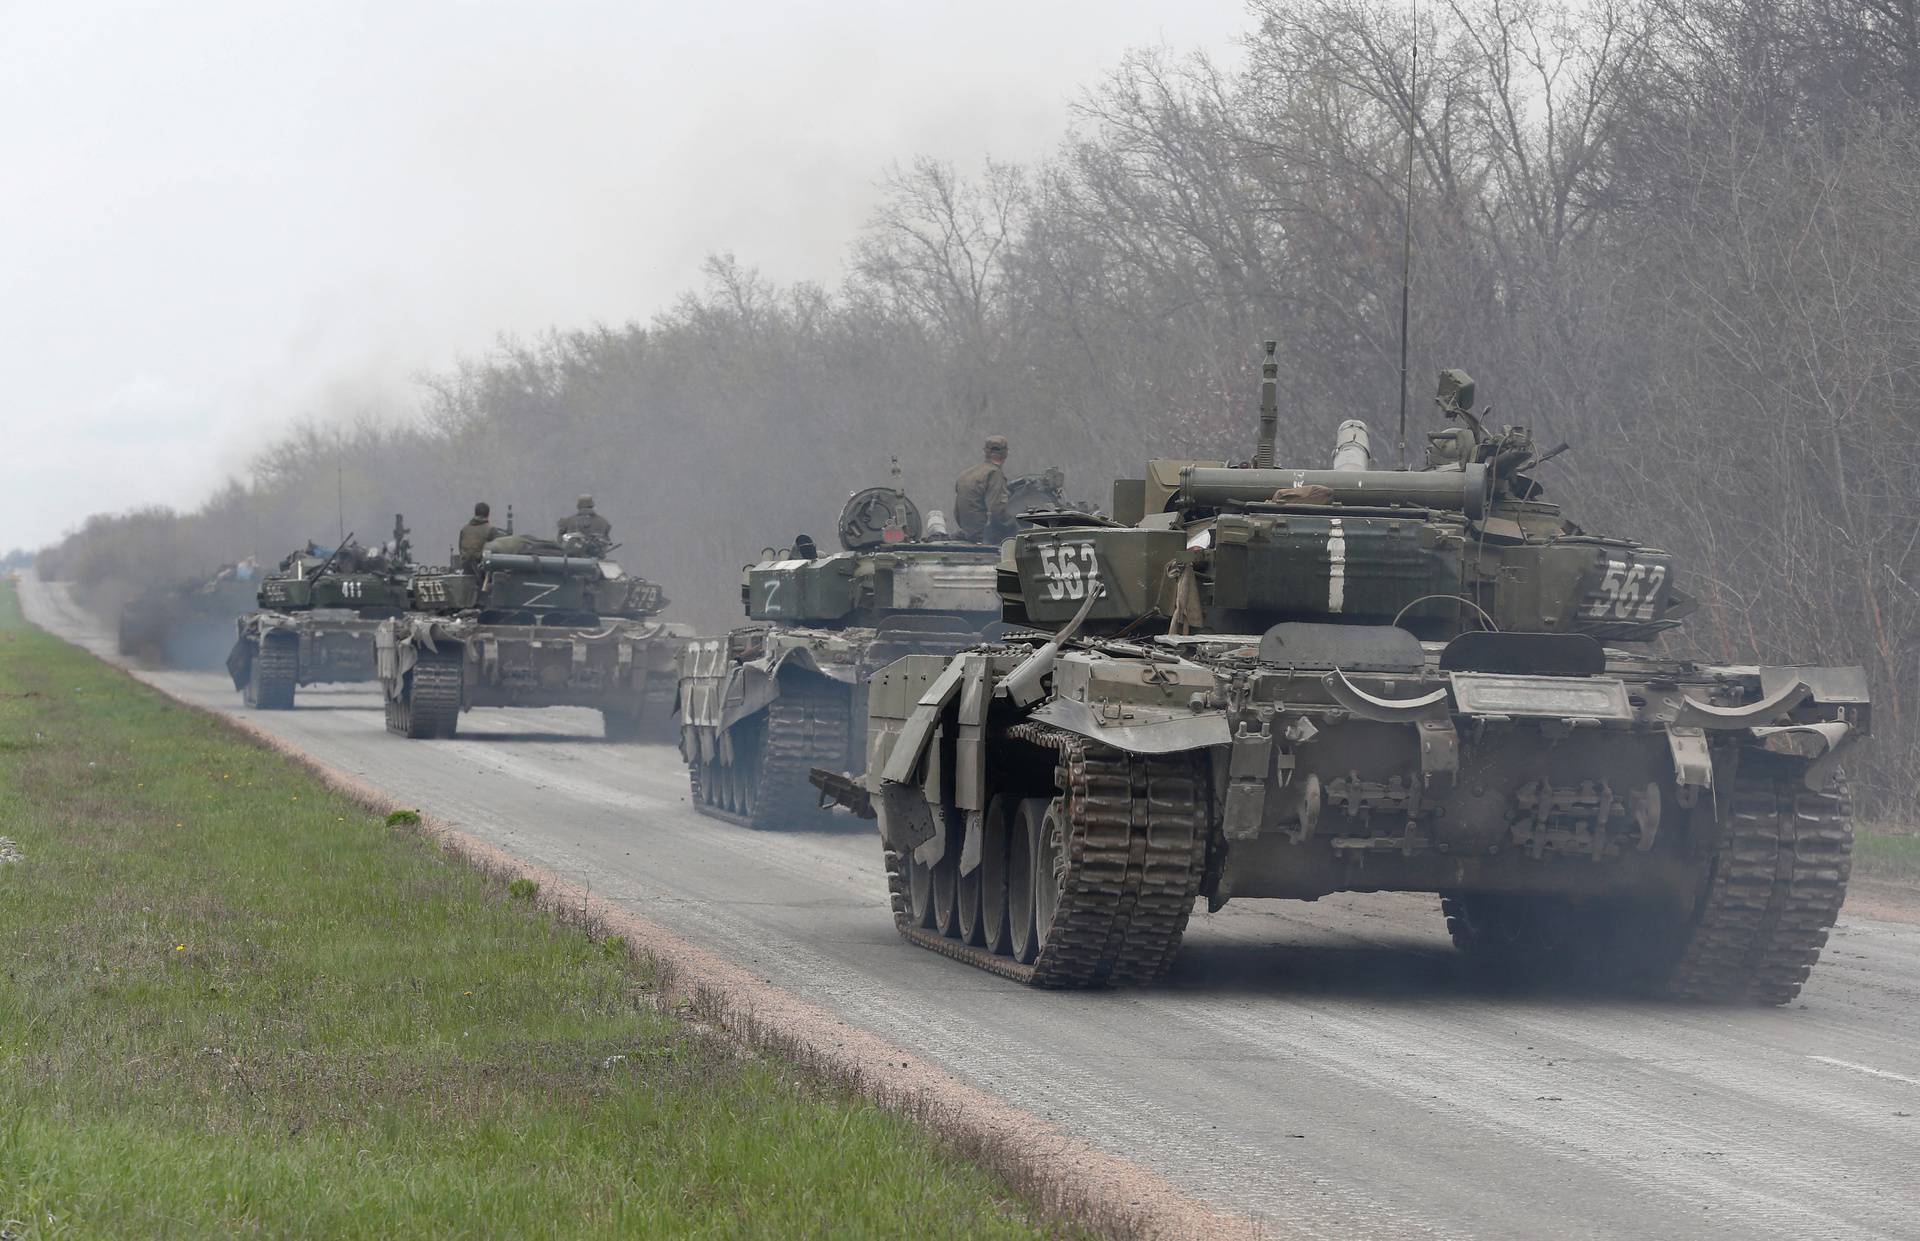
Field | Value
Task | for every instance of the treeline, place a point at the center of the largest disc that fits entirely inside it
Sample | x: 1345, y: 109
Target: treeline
x: 1678, y: 234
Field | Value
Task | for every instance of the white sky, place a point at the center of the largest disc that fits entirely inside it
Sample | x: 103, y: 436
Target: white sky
x: 219, y: 216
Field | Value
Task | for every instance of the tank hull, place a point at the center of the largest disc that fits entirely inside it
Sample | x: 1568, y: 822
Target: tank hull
x: 1679, y: 823
x: 319, y: 648
x: 626, y: 669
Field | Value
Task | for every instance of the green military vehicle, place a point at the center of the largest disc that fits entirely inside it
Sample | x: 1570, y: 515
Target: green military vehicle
x: 316, y: 619
x: 185, y: 625
x: 542, y: 623
x: 1284, y: 683
x: 767, y: 703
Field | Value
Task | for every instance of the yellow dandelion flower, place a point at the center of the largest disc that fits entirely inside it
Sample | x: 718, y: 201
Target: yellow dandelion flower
x: 179, y: 947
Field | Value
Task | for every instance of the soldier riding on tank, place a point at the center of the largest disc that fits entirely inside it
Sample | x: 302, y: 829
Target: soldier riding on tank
x: 474, y: 537
x: 980, y: 496
x: 583, y: 520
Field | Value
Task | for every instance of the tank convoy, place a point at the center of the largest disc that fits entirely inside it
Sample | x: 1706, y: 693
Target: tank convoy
x: 1274, y: 682
x: 538, y: 623
x: 779, y: 696
x: 316, y: 619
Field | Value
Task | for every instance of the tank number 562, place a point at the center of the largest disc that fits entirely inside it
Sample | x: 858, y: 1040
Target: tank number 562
x: 1069, y: 569
x: 1629, y: 591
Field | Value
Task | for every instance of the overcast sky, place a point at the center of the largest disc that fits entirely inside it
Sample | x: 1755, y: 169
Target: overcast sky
x: 216, y: 217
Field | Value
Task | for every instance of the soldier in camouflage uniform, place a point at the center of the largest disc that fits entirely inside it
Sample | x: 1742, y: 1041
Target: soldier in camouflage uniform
x: 475, y: 535
x: 585, y: 521
x: 980, y: 497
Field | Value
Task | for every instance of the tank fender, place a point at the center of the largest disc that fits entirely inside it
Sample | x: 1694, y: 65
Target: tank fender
x: 921, y: 726
x: 970, y: 757
x: 240, y: 659
x: 1145, y: 730
x: 1821, y: 742
x: 1383, y: 710
x: 1249, y: 768
x: 1692, y: 713
x: 1692, y: 763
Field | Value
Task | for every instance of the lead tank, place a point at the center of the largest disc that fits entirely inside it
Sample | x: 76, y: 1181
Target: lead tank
x: 316, y: 619
x: 542, y: 623
x: 773, y: 699
x: 1284, y: 683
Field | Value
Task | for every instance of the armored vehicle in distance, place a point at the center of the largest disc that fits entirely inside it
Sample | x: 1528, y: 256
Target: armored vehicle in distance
x: 543, y: 623
x: 316, y: 619
x: 1284, y: 683
x: 186, y: 625
x: 764, y: 705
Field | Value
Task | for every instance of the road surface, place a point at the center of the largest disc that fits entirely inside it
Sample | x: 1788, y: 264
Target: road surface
x: 1328, y: 1068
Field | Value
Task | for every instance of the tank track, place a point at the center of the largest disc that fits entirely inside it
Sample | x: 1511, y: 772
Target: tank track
x: 431, y: 706
x: 803, y: 731
x: 274, y: 674
x: 1779, y: 878
x: 1135, y: 855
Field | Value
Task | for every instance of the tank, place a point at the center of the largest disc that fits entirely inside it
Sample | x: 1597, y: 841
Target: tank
x: 786, y: 693
x: 1276, y: 683
x: 543, y: 623
x: 185, y: 625
x: 315, y: 619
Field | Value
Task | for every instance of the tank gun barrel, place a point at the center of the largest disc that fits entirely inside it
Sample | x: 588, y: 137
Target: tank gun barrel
x: 1269, y: 408
x: 1461, y: 491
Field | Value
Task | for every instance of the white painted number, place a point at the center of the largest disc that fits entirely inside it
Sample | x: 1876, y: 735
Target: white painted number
x: 1628, y: 591
x: 352, y: 590
x: 1068, y: 567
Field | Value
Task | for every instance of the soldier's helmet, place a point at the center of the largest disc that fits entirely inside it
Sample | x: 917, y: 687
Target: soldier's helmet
x: 997, y: 443
x: 584, y: 503
x: 481, y: 510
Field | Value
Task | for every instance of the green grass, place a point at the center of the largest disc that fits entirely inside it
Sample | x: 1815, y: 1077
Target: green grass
x: 1887, y: 853
x: 234, y: 1002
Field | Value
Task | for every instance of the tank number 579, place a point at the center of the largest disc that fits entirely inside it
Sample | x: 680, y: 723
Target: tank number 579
x: 1069, y: 568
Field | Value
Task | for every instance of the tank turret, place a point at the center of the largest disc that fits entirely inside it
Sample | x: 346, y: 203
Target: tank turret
x: 1463, y: 545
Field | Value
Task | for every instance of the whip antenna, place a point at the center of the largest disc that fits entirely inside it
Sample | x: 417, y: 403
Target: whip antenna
x: 1406, y: 235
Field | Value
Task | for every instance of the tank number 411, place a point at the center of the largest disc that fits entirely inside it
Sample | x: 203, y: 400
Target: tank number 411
x: 1068, y: 568
x: 1629, y: 591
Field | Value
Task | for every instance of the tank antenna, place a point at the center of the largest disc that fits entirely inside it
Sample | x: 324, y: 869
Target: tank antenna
x: 1406, y: 233
x: 340, y: 491
x: 1269, y: 408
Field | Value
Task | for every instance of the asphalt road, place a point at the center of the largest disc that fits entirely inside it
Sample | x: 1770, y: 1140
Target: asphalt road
x: 1326, y: 1068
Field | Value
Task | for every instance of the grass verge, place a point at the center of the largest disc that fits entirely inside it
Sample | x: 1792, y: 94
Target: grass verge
x: 233, y: 1001
x: 1887, y: 853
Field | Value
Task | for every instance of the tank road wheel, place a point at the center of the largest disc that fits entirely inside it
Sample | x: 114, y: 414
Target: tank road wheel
x: 1088, y: 887
x: 1775, y: 887
x: 1023, y: 850
x: 920, y: 893
x: 991, y: 878
x: 946, y: 884
x: 273, y: 673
